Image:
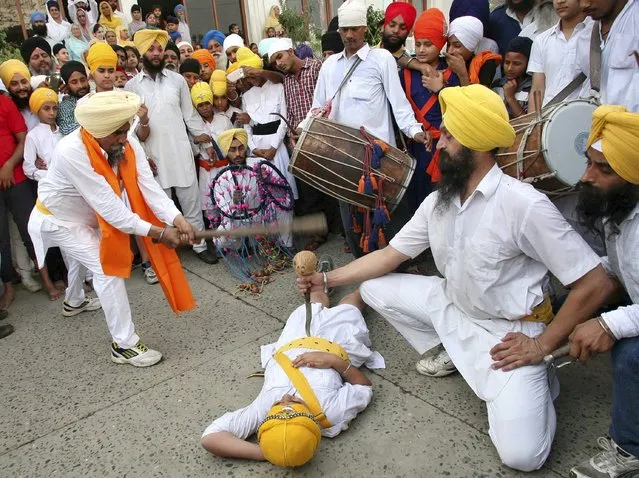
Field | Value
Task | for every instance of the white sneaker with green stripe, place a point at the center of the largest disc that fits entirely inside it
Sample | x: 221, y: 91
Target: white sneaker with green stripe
x: 139, y: 355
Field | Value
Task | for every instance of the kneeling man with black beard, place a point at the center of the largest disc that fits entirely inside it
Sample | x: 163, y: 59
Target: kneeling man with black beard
x: 493, y: 239
x: 609, y: 190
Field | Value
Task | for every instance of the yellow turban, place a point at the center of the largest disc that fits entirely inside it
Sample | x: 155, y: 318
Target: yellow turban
x: 9, y: 68
x: 476, y: 117
x: 204, y: 56
x: 225, y: 139
x: 218, y: 83
x: 201, y: 93
x: 101, y: 55
x: 245, y: 57
x: 103, y: 113
x: 144, y: 39
x: 618, y: 130
x: 40, y: 96
x: 289, y: 436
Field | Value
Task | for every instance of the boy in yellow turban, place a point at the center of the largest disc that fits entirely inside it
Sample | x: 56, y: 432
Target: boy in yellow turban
x: 609, y: 190
x: 292, y: 411
x: 493, y: 239
x: 219, y: 85
x: 42, y: 139
x: 102, y: 62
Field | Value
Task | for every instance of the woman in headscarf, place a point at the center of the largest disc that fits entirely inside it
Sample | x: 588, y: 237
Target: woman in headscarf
x: 76, y: 44
x: 183, y: 27
x: 58, y: 29
x: 122, y: 34
x: 273, y: 21
x: 111, y: 37
x: 83, y: 21
x: 480, y: 9
x: 464, y: 57
x: 107, y: 18
x: 90, y: 7
x: 422, y: 93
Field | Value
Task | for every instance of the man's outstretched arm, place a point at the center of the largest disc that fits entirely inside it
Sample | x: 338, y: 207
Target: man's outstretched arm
x: 227, y: 445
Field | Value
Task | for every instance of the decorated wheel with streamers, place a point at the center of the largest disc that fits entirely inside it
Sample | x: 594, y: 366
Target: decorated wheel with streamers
x: 236, y: 193
x: 274, y: 187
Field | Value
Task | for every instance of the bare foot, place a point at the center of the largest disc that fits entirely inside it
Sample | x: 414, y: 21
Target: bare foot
x: 60, y: 285
x: 54, y: 293
x: 7, y: 296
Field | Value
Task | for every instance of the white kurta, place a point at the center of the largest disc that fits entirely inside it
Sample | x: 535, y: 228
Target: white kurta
x: 40, y: 143
x: 340, y: 401
x: 219, y: 124
x: 368, y: 96
x: 619, y: 71
x: 170, y: 108
x: 622, y: 263
x: 57, y: 32
x: 259, y: 103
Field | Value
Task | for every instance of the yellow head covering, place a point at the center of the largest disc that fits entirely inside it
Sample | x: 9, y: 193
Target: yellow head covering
x: 201, y: 93
x: 144, y: 39
x: 225, y: 139
x: 289, y: 435
x: 103, y: 113
x: 40, y: 96
x: 245, y: 57
x: 101, y: 55
x: 476, y: 117
x: 10, y: 68
x: 618, y: 130
x: 218, y: 83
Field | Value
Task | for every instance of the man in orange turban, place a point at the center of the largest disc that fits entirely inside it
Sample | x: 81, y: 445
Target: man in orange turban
x: 609, y: 191
x: 207, y: 63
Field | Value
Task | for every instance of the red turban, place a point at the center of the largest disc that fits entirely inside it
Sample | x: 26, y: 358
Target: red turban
x: 431, y: 25
x: 405, y: 9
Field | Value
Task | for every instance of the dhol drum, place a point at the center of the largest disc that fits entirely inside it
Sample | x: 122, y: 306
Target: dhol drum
x: 330, y: 156
x: 549, y: 151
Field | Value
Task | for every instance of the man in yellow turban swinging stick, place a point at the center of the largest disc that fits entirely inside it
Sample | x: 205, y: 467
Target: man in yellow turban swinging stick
x: 493, y: 239
x: 80, y: 208
x: 312, y: 386
x: 609, y: 190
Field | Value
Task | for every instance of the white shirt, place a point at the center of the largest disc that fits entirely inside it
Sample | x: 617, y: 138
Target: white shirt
x: 40, y: 142
x: 229, y: 112
x: 368, y: 96
x: 30, y: 118
x: 75, y: 193
x: 556, y: 57
x: 170, y: 107
x: 528, y: 19
x: 619, y: 71
x: 623, y: 262
x: 57, y: 32
x: 219, y: 124
x: 340, y: 401
x: 495, y: 250
x: 259, y: 102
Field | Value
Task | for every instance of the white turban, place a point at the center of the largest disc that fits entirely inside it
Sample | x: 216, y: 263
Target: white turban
x: 468, y: 30
x: 231, y: 41
x: 352, y: 13
x: 103, y: 113
x: 281, y: 44
x: 264, y: 45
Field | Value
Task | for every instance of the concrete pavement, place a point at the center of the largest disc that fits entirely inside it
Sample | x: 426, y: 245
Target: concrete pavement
x: 68, y: 411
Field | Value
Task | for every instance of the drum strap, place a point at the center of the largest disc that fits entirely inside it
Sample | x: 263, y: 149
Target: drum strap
x: 349, y: 73
x: 595, y: 57
x: 570, y: 87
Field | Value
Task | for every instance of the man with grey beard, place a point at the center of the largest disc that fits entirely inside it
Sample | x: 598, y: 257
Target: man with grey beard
x: 493, y: 239
x: 36, y: 53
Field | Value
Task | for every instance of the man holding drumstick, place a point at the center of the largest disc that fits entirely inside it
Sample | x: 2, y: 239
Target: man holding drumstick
x: 356, y: 87
x: 493, y: 239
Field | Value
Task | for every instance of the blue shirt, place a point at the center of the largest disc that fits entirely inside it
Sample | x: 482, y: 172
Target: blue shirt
x: 502, y: 28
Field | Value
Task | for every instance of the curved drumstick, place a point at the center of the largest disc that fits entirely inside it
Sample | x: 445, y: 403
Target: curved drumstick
x: 288, y: 123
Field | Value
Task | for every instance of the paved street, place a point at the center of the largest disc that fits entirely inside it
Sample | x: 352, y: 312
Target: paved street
x: 68, y: 411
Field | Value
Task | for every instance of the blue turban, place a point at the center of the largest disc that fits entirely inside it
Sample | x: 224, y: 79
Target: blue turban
x: 178, y: 8
x: 37, y: 17
x: 216, y: 35
x: 480, y: 9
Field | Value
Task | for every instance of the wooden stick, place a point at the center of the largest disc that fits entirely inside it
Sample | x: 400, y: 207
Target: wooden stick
x: 311, y: 224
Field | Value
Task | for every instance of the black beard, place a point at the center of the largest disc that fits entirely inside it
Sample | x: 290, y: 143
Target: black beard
x: 392, y: 46
x: 455, y: 174
x: 40, y: 30
x: 115, y: 154
x: 524, y: 6
x: 151, y: 68
x: 611, y: 206
x: 20, y: 102
x: 80, y: 93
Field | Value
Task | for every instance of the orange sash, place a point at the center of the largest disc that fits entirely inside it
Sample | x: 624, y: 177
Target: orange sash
x: 115, y: 245
x: 208, y: 165
x: 433, y: 167
x: 478, y: 61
